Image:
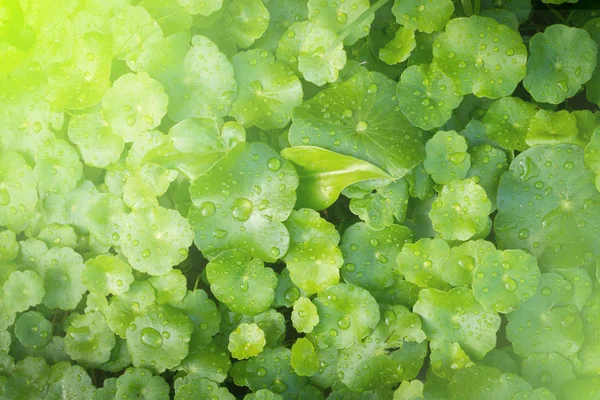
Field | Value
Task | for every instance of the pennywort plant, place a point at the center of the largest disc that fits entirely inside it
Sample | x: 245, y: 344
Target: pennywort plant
x: 299, y: 199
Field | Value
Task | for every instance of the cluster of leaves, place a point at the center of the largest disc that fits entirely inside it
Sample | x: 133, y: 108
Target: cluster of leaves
x: 299, y: 199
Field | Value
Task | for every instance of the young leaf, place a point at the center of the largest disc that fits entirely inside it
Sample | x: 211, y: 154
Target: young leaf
x: 324, y: 174
x: 356, y: 118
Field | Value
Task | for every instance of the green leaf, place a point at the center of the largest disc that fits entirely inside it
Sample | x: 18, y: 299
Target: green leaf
x: 409, y: 390
x: 562, y: 59
x: 340, y: 16
x: 263, y: 394
x: 130, y: 115
x: 521, y: 8
x: 507, y: 122
x: 464, y: 259
x: 282, y: 16
x: 547, y: 370
x: 399, y: 48
x: 170, y: 288
x: 246, y: 341
x: 379, y: 209
x: 68, y: 381
x: 211, y: 361
x: 487, y: 166
x: 423, y: 15
x: 253, y: 203
x: 456, y: 316
x: 304, y: 315
x: 550, y: 127
x: 427, y: 96
x: 202, y: 7
x: 582, y: 388
x: 104, y: 216
x: 268, y: 90
x: 554, y: 182
x: 466, y: 52
x: 57, y: 167
x: 503, y: 280
x: 313, y: 51
x: 589, y: 353
x: 98, y: 144
x: 304, y: 359
x: 241, y: 282
x: 28, y: 379
x: 543, y: 324
x: 352, y: 314
x: 33, y: 330
x: 192, y: 387
x: 159, y: 339
x: 356, y: 118
x: 195, y: 145
x: 480, y: 381
x: 249, y: 21
x: 107, y: 274
x: 447, y: 158
x: 273, y: 324
x: 62, y: 278
x: 448, y: 357
x: 461, y: 210
x: 140, y: 383
x: 324, y: 174
x: 314, y: 265
x: 422, y: 262
x: 153, y: 240
x: 369, y: 255
x: 89, y: 340
x: 272, y: 370
x: 124, y: 308
x: 306, y: 223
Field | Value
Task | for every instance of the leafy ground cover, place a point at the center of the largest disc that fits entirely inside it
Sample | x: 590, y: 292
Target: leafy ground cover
x: 299, y: 199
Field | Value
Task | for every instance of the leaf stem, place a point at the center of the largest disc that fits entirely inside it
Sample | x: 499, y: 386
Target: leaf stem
x: 467, y: 7
x: 476, y: 7
x: 350, y: 28
x: 558, y: 15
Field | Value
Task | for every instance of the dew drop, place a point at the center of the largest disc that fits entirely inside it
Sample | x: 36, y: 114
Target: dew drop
x: 207, y: 209
x: 4, y: 197
x: 146, y: 253
x: 510, y: 284
x: 219, y: 233
x: 151, y: 338
x: 274, y: 164
x: 457, y: 158
x: 242, y: 209
x: 344, y: 323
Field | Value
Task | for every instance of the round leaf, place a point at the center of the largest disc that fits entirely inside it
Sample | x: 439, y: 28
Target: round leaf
x: 241, y: 282
x: 159, y: 339
x: 544, y: 204
x: 107, y: 274
x: 246, y: 341
x: 153, y: 240
x: 507, y: 122
x: 423, y: 15
x: 314, y: 265
x: 347, y: 314
x: 89, y: 340
x: 357, y: 118
x: 241, y: 201
x: 269, y: 90
x: 461, y: 210
x: 456, y: 316
x: 447, y: 158
x: 505, y: 279
x: 562, y: 59
x: 427, y: 96
x: 33, y: 330
x: 481, y: 56
x: 369, y: 255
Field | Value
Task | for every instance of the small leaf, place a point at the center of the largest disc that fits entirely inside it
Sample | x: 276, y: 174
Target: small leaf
x: 324, y: 174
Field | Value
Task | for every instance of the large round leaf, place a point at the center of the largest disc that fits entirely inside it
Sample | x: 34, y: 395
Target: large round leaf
x: 268, y: 90
x: 427, y: 96
x: 456, y: 316
x: 507, y: 122
x: 241, y: 201
x: 347, y: 314
x: 241, y: 282
x: 505, y: 279
x: 359, y: 118
x: 423, y: 15
x: 153, y: 240
x: 461, y: 210
x: 546, y: 203
x: 481, y: 56
x: 370, y: 255
x: 562, y: 60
